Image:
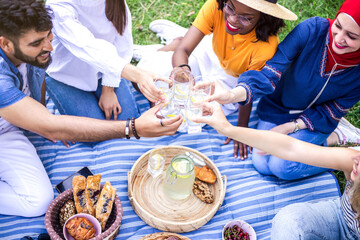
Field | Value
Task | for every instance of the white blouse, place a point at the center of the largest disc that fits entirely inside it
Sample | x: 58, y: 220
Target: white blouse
x: 87, y: 45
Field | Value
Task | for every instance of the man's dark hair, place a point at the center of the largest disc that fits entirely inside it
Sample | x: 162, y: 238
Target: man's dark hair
x: 267, y: 25
x: 19, y: 16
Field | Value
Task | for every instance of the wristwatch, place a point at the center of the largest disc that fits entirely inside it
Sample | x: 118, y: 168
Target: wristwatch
x: 297, y: 127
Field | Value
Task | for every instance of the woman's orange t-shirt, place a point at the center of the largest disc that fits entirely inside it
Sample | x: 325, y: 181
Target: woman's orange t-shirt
x: 237, y: 53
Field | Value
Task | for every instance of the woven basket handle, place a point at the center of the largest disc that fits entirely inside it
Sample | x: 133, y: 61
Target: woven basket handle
x: 131, y: 199
x: 223, y: 191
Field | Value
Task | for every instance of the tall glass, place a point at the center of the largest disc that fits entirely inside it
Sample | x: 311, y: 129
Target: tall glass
x: 182, y: 82
x: 193, y: 110
x: 180, y: 177
x: 156, y: 162
x: 165, y: 89
x: 171, y: 110
x: 201, y: 90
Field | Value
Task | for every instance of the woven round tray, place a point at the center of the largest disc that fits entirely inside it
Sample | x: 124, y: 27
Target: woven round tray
x: 52, y: 222
x: 151, y: 204
x: 163, y: 236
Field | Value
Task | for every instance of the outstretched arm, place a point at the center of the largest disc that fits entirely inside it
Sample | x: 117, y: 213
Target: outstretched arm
x: 187, y: 45
x: 281, y: 145
x: 31, y: 115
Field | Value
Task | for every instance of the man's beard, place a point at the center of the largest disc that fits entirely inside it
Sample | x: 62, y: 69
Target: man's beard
x: 30, y: 60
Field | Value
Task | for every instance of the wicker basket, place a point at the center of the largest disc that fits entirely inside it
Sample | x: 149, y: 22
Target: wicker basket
x: 55, y: 230
x: 162, y: 236
x: 150, y: 203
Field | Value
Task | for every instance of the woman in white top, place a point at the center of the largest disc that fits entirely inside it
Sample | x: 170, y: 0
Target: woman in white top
x: 330, y: 219
x: 91, y: 58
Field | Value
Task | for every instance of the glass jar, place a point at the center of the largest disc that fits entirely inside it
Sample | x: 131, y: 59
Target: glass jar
x: 180, y: 177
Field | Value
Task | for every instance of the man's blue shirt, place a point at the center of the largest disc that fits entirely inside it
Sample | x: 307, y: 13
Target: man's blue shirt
x: 11, y: 81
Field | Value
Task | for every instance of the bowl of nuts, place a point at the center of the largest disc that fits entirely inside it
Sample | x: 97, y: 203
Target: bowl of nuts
x: 238, y: 230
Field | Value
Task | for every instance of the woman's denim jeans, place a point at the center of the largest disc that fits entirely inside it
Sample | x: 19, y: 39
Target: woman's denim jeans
x: 283, y: 169
x: 322, y: 220
x: 73, y: 101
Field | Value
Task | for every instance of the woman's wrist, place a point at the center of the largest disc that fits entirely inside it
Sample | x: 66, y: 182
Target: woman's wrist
x: 297, y: 125
x: 225, y: 129
x: 185, y: 66
x: 238, y: 94
x: 106, y: 89
x: 131, y: 73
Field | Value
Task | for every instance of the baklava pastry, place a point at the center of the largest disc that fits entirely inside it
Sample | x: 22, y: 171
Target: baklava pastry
x: 105, y: 204
x: 79, y: 185
x: 92, y: 192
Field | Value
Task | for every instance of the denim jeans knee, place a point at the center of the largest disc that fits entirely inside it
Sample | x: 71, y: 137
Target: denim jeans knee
x: 312, y: 220
x: 73, y: 101
x: 283, y: 169
x: 260, y: 162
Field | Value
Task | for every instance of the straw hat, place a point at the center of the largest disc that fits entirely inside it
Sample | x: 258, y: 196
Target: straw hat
x: 270, y: 7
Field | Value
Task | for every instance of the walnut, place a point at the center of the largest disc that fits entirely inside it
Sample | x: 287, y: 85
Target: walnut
x: 67, y: 211
x: 202, y: 191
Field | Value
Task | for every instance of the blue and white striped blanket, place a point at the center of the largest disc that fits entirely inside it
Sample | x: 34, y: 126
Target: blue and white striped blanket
x: 250, y: 196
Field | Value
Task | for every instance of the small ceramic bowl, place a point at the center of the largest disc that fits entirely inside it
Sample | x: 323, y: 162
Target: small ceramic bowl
x: 92, y: 219
x: 243, y: 225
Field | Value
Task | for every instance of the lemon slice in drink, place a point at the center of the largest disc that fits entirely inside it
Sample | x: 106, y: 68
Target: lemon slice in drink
x: 157, y: 157
x: 181, y: 168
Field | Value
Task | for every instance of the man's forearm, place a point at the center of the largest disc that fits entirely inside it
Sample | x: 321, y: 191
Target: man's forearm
x: 85, y: 129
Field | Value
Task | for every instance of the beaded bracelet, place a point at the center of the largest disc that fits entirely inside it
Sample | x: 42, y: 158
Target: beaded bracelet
x: 127, y: 130
x: 133, y: 128
x: 185, y: 65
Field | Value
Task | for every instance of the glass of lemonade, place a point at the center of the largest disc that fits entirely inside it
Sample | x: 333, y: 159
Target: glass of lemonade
x: 193, y: 110
x: 182, y: 82
x: 202, y: 90
x: 180, y: 177
x: 165, y: 89
x: 156, y: 162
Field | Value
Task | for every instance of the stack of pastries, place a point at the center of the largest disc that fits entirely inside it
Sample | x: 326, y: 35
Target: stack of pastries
x: 201, y: 189
x: 90, y: 199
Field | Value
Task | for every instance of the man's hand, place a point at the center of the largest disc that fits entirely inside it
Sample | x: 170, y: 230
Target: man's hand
x: 149, y: 125
x: 109, y: 103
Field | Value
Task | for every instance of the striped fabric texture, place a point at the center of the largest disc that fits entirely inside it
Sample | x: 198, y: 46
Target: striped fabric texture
x: 250, y: 196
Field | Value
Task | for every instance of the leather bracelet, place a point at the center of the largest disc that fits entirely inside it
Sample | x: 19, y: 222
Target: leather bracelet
x: 127, y: 129
x: 185, y: 65
x: 133, y: 128
x: 297, y: 127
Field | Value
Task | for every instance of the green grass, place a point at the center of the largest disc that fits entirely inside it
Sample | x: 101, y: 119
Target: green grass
x: 183, y: 12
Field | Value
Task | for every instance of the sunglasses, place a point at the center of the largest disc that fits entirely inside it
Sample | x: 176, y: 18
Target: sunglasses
x: 231, y: 11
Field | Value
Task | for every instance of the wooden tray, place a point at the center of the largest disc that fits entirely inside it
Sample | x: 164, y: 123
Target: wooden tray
x: 154, y: 207
x: 163, y: 236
